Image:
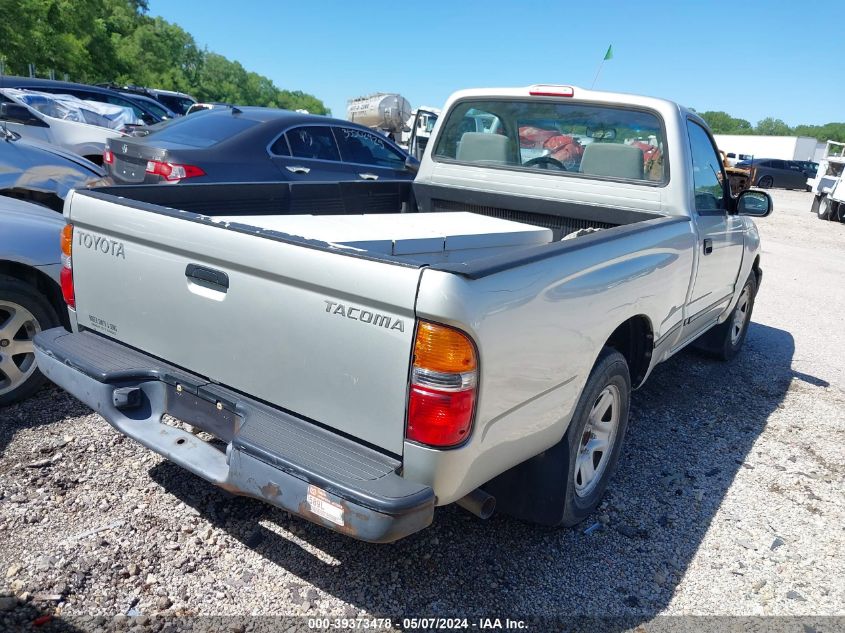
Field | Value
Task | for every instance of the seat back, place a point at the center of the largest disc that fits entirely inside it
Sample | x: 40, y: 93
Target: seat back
x: 482, y: 146
x: 613, y: 160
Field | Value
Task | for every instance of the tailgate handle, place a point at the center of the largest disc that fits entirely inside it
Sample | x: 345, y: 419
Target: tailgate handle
x: 208, y: 275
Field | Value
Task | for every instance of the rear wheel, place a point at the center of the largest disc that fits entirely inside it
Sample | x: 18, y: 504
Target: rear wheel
x: 594, y: 439
x: 23, y: 313
x: 766, y: 182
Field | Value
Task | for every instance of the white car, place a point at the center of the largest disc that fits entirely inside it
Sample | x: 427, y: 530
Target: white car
x: 79, y: 126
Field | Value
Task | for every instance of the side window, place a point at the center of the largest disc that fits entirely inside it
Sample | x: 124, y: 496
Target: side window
x: 315, y: 142
x: 358, y: 146
x: 706, y: 171
x: 280, y: 147
x: 777, y: 164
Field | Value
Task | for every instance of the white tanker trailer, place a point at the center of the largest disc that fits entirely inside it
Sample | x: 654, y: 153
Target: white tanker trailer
x: 387, y: 112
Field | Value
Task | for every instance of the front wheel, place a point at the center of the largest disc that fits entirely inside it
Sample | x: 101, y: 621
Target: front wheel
x: 824, y: 207
x: 23, y: 313
x: 725, y: 340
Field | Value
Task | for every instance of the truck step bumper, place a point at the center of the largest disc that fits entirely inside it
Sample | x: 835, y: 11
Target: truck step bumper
x: 269, y: 454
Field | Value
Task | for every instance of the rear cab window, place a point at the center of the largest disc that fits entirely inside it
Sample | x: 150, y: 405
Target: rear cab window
x: 203, y: 130
x: 566, y: 138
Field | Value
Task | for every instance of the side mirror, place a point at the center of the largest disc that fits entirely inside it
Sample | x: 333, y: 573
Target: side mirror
x: 16, y: 113
x: 757, y: 204
x: 412, y: 164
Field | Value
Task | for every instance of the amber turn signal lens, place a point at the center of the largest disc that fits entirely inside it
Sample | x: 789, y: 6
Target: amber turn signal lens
x: 67, y: 239
x: 441, y: 348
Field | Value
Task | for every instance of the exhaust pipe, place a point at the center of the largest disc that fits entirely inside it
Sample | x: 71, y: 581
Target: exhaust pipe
x: 479, y: 503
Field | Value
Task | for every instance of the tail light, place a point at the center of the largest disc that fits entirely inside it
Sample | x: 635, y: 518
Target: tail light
x: 172, y: 171
x: 444, y: 380
x: 108, y: 157
x: 66, y: 276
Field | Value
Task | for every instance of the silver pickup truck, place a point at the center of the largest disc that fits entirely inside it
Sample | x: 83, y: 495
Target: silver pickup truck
x: 363, y: 352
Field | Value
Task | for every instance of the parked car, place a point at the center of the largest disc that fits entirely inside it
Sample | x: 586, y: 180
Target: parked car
x: 42, y: 173
x: 159, y: 109
x: 774, y: 172
x: 809, y: 167
x: 177, y: 102
x: 82, y: 91
x: 369, y: 350
x: 30, y: 292
x: 35, y: 123
x: 209, y: 105
x: 243, y: 144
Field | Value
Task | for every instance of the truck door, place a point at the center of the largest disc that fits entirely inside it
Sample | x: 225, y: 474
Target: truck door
x: 721, y: 235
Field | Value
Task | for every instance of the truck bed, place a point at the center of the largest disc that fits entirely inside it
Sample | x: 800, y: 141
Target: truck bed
x: 266, y: 208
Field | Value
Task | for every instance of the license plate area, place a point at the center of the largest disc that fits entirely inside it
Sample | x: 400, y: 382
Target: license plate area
x: 200, y: 411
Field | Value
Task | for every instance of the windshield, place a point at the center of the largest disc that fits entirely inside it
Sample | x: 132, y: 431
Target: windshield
x: 568, y: 138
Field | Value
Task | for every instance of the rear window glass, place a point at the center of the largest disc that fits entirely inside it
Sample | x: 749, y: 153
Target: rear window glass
x: 203, y: 130
x: 566, y: 138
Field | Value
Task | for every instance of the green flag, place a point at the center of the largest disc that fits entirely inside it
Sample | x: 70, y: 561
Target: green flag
x: 609, y: 53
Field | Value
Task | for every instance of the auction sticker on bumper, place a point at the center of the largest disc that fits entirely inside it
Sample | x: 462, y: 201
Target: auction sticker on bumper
x: 320, y: 504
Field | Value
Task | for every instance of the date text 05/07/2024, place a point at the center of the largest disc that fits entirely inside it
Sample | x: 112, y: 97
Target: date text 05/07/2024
x: 418, y: 624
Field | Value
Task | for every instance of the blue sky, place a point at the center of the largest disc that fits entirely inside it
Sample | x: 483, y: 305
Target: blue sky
x: 773, y: 60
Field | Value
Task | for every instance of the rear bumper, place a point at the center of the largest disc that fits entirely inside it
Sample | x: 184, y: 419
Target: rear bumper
x: 269, y: 454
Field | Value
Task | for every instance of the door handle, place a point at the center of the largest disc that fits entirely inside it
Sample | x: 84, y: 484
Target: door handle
x: 368, y: 176
x: 298, y: 169
x: 217, y: 279
x: 708, y: 246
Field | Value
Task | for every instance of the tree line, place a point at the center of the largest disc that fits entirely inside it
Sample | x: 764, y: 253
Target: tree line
x: 116, y: 40
x: 724, y: 123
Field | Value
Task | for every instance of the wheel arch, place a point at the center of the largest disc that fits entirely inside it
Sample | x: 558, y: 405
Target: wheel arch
x: 41, y: 282
x: 634, y: 339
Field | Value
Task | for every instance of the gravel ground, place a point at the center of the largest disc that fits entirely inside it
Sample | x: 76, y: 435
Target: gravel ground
x: 728, y: 500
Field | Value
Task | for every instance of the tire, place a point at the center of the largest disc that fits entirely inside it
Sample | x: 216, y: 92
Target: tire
x: 608, y: 380
x: 765, y: 182
x: 24, y: 312
x: 824, y: 207
x: 726, y: 339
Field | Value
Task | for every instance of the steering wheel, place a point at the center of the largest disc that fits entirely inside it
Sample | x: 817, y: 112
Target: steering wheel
x: 545, y: 160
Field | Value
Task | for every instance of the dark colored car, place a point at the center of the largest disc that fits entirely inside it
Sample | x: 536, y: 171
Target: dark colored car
x: 159, y: 109
x: 810, y: 168
x: 176, y: 102
x: 83, y: 91
x: 42, y: 173
x: 246, y: 144
x: 774, y: 172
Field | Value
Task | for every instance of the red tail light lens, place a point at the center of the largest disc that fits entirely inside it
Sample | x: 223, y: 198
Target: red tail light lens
x: 66, y: 275
x: 173, y: 171
x: 67, y: 287
x: 441, y: 403
x: 108, y: 157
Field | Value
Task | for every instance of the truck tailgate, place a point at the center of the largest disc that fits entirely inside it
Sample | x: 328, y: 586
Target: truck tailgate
x: 319, y: 334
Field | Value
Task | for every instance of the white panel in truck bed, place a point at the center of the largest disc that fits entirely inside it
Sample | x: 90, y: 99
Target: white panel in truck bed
x: 431, y: 235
